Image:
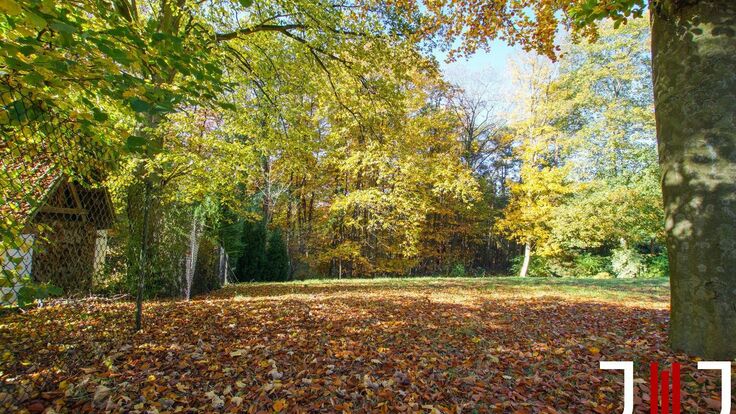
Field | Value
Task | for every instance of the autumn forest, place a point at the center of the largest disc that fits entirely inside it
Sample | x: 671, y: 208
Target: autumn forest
x: 296, y: 206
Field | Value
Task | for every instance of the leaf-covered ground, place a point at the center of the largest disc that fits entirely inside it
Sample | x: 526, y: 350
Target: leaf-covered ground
x: 408, y: 345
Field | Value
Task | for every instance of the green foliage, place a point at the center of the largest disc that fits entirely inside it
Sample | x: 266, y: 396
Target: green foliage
x: 277, y: 258
x: 252, y: 263
x: 587, y: 264
x: 626, y: 262
x: 586, y: 13
x: 206, y: 276
x: 586, y: 140
x: 458, y: 270
x: 263, y: 256
x: 31, y: 292
x: 604, y: 212
x: 622, y: 262
x: 539, y: 266
x: 231, y: 239
x: 657, y: 265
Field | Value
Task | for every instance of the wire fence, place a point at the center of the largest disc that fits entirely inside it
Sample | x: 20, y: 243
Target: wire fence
x: 63, y: 232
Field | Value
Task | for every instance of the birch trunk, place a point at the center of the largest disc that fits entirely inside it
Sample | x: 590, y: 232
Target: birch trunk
x: 527, y: 259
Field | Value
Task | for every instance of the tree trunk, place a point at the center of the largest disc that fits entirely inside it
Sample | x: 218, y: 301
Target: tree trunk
x: 694, y: 72
x: 191, y: 263
x: 143, y: 258
x: 222, y: 269
x: 527, y: 259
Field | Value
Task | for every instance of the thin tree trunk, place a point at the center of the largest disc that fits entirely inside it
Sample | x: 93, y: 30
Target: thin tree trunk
x: 143, y: 258
x: 527, y: 258
x: 191, y: 263
x: 694, y: 72
x: 222, y: 269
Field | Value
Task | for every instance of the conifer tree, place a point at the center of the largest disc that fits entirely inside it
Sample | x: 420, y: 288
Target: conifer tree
x: 277, y: 258
x: 252, y: 262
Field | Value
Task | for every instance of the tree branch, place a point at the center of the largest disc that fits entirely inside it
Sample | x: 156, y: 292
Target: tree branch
x: 314, y: 48
x: 257, y: 28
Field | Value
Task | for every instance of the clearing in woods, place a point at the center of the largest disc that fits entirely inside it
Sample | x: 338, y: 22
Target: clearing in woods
x: 382, y: 345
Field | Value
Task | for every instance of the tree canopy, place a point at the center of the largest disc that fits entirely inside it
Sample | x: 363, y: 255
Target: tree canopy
x: 322, y: 138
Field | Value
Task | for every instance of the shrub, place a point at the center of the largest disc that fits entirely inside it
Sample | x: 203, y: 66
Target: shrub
x: 657, y: 265
x: 458, y: 270
x: 627, y: 262
x: 577, y: 265
x: 538, y: 266
x: 587, y: 264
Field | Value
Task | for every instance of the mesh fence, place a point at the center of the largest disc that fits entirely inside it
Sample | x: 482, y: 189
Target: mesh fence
x: 55, y: 216
x: 62, y: 232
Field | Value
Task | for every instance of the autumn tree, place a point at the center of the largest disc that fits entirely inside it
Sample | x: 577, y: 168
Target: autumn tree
x: 542, y: 148
x: 605, y: 91
x: 482, y: 133
x: 344, y: 143
x: 160, y: 57
x: 692, y: 58
x: 486, y: 143
x: 393, y: 169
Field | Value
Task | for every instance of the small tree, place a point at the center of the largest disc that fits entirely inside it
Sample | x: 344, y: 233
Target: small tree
x: 252, y: 262
x: 277, y: 258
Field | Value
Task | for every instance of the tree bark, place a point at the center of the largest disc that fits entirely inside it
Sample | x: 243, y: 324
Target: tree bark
x: 694, y: 72
x: 191, y: 261
x: 222, y: 269
x: 527, y: 259
x: 143, y: 258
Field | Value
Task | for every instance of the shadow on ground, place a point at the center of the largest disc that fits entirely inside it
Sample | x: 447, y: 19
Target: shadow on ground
x: 330, y: 348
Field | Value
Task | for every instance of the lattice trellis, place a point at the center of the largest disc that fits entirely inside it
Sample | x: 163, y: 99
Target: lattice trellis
x: 53, y: 222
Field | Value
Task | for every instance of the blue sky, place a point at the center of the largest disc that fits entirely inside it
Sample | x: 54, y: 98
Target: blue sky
x: 487, y: 67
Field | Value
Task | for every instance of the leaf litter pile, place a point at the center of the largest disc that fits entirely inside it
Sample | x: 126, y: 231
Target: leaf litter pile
x: 432, y: 346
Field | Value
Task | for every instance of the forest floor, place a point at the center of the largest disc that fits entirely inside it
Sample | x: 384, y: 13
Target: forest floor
x: 504, y: 345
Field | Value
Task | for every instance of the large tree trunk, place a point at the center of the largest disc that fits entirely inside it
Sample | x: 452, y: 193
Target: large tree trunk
x: 527, y: 259
x: 694, y: 65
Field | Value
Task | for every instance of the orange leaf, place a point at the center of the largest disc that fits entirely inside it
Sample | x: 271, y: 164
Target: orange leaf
x: 279, y: 405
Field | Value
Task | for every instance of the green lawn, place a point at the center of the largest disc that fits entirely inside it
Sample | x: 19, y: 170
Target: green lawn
x: 649, y: 290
